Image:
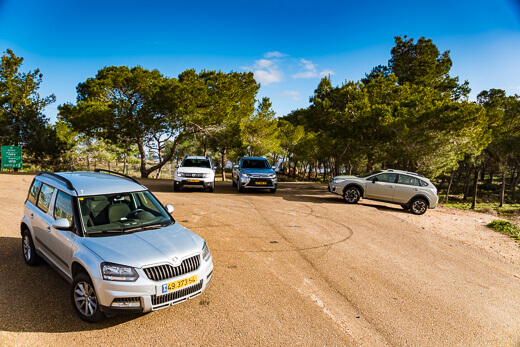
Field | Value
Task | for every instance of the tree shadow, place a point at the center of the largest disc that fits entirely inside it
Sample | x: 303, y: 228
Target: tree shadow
x: 37, y: 298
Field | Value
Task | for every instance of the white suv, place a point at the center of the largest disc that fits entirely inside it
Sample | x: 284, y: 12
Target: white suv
x: 120, y: 249
x: 194, y: 171
x: 410, y: 190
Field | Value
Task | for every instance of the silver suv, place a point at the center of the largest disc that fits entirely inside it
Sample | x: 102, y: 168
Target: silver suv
x: 108, y: 235
x: 410, y: 190
x: 194, y: 171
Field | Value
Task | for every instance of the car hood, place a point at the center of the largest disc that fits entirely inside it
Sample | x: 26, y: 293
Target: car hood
x: 194, y: 169
x: 147, y: 247
x: 258, y: 171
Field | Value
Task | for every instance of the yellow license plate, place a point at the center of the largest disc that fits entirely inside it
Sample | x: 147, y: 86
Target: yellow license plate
x: 179, y: 284
x: 193, y: 181
x: 261, y: 183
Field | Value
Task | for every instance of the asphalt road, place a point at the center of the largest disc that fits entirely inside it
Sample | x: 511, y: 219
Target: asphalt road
x: 296, y: 267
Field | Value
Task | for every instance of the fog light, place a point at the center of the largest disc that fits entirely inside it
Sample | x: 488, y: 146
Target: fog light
x: 126, y: 302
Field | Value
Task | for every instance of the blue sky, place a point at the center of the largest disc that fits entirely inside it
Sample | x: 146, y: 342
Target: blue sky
x: 288, y: 44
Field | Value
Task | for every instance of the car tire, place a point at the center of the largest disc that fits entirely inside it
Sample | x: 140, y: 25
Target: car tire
x: 29, y: 252
x: 175, y: 188
x: 233, y: 183
x: 272, y: 190
x: 239, y: 188
x: 84, y: 299
x: 419, y: 206
x: 351, y: 195
x: 211, y: 187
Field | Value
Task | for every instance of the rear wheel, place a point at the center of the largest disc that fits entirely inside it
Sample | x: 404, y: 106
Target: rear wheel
x: 351, y: 195
x: 29, y: 252
x: 84, y: 299
x: 419, y: 206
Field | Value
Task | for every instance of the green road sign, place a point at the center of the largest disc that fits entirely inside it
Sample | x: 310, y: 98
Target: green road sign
x: 11, y: 157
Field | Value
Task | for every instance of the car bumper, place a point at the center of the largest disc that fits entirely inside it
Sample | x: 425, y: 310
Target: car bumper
x: 335, y: 188
x: 258, y: 183
x: 145, y: 295
x: 202, y: 182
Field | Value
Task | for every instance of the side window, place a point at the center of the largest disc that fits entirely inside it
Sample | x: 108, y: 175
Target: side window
x: 44, y: 198
x: 408, y: 180
x: 63, y: 206
x: 387, y: 177
x: 422, y: 183
x: 33, y: 191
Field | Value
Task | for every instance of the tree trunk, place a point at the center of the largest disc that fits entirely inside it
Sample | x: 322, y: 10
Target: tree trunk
x: 88, y: 162
x: 223, y: 163
x: 124, y: 164
x: 294, y: 171
x: 515, y: 184
x: 466, y: 184
x: 324, y: 170
x: 503, y: 193
x: 449, y: 186
x: 475, y: 186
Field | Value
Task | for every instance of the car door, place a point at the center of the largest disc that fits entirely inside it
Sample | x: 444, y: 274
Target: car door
x: 406, y: 187
x: 40, y: 218
x: 381, y: 187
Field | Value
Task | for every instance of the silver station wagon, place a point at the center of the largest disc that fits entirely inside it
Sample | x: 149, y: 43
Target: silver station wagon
x: 410, y: 190
x: 108, y: 235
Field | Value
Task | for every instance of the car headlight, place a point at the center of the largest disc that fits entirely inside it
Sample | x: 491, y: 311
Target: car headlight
x: 206, y: 175
x: 338, y: 180
x: 179, y: 174
x: 272, y: 176
x: 205, y: 252
x: 115, y: 272
x: 245, y: 175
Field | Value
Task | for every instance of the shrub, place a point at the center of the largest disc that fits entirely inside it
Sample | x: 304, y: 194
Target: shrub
x: 505, y: 227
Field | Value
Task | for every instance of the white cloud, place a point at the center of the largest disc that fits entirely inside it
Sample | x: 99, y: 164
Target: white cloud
x: 305, y: 74
x: 307, y: 64
x: 263, y: 63
x: 291, y: 94
x: 268, y: 76
x: 275, y: 54
x: 326, y: 73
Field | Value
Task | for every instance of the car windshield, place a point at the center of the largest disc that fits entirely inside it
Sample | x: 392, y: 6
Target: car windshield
x: 122, y: 212
x: 255, y: 164
x: 189, y: 162
x: 369, y: 174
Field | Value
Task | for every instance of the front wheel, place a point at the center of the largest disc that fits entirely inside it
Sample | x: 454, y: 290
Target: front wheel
x: 351, y: 195
x: 272, y: 190
x: 84, y: 299
x: 211, y: 187
x: 419, y: 206
x: 29, y: 252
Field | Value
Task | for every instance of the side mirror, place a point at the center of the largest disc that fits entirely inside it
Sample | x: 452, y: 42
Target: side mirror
x: 176, y: 166
x: 169, y: 208
x: 374, y: 180
x: 214, y: 168
x: 235, y: 166
x: 62, y: 224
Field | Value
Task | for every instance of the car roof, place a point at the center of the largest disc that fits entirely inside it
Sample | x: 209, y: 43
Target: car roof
x: 403, y: 172
x: 83, y: 183
x: 256, y: 158
x: 195, y: 157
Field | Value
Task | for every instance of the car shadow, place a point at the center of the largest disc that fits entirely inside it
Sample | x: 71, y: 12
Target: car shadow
x: 37, y: 298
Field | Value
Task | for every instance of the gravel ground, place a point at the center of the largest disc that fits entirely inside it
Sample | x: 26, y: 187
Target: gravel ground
x: 298, y: 267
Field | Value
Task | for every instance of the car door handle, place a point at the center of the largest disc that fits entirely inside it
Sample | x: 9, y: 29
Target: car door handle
x: 48, y: 228
x: 32, y: 216
x: 390, y: 186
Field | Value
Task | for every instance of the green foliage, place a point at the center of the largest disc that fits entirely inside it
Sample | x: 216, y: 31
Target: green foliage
x: 505, y: 227
x: 21, y: 118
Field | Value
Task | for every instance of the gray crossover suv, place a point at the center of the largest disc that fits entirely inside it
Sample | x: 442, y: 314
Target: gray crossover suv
x: 254, y: 173
x: 108, y: 235
x: 410, y: 190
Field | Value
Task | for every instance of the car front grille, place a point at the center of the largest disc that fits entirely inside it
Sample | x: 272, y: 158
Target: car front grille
x: 163, y: 272
x: 178, y: 294
x: 193, y: 175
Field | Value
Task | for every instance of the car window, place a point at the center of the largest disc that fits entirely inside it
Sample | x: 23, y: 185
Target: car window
x: 255, y: 164
x: 189, y: 162
x: 63, y: 206
x: 387, y: 177
x: 422, y: 183
x: 44, y: 198
x: 369, y: 174
x: 33, y: 191
x: 408, y: 180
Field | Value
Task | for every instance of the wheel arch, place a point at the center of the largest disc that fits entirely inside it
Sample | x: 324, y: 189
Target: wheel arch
x: 361, y: 190
x: 418, y: 196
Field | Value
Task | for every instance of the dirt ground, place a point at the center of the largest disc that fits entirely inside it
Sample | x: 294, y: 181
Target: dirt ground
x: 298, y: 267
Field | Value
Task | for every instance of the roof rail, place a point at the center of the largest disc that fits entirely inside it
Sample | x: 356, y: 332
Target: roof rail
x: 58, y: 177
x: 118, y: 174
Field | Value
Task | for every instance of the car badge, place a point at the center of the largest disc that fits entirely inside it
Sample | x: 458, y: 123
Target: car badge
x: 175, y: 259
